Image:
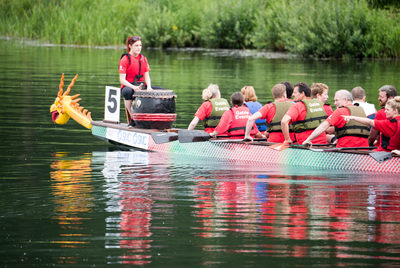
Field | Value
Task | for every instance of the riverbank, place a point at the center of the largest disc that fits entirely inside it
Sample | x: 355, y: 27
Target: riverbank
x: 320, y: 29
x: 218, y: 52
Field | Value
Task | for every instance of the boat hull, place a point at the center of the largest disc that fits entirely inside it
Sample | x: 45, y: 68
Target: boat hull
x: 246, y: 153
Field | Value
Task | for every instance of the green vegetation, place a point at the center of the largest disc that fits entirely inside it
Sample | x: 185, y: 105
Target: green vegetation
x: 318, y: 28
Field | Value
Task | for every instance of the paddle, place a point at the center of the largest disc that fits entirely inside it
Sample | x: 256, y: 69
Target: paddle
x: 307, y: 146
x: 163, y: 137
x: 236, y: 140
x: 280, y: 146
x: 341, y: 149
x: 185, y: 136
x: 381, y: 156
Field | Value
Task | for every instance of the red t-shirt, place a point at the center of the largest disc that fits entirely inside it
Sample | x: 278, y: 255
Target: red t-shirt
x: 386, y: 128
x: 227, y: 120
x: 268, y: 112
x: 131, y: 70
x: 204, y: 111
x: 298, y: 112
x: 328, y: 109
x: 337, y: 120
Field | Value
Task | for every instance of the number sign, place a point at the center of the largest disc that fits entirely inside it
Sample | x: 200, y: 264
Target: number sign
x: 112, y: 104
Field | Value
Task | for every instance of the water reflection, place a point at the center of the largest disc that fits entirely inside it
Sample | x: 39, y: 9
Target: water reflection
x: 72, y: 191
x: 231, y: 209
x: 317, y: 219
x: 131, y: 196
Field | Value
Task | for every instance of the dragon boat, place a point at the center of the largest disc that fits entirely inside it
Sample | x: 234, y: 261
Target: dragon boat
x: 196, y: 143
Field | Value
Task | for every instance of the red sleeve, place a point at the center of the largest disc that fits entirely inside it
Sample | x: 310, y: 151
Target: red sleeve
x: 295, y: 111
x: 336, y: 119
x: 225, y: 122
x: 380, y: 115
x: 123, y: 65
x: 204, y: 110
x: 267, y: 110
x: 386, y: 127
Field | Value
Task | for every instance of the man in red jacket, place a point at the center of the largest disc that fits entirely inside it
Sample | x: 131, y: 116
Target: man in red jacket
x: 386, y: 92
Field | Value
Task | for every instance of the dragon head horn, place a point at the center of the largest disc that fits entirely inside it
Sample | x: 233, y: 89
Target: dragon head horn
x: 71, y: 85
x: 60, y: 91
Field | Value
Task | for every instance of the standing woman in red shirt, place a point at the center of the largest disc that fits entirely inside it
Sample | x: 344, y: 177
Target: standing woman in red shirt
x: 389, y: 127
x: 133, y: 72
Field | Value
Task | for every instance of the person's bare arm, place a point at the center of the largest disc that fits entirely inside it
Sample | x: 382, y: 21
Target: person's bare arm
x: 194, y: 123
x: 250, y: 123
x: 318, y: 131
x: 373, y: 135
x: 285, y: 127
x: 147, y: 80
x: 123, y: 81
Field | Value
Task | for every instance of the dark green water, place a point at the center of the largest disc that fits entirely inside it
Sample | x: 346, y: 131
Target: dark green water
x: 68, y: 199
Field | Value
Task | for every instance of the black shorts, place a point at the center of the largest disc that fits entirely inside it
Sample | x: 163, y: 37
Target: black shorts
x: 127, y: 92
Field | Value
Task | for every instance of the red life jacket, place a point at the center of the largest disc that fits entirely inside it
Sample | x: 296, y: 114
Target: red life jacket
x: 135, y: 75
x: 394, y: 141
x: 240, y: 116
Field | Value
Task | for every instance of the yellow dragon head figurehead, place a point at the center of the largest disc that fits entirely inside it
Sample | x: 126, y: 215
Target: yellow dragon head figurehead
x: 65, y: 107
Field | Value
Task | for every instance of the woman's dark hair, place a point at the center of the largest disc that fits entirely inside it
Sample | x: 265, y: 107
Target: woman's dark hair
x: 130, y: 40
x: 289, y: 89
x: 237, y: 98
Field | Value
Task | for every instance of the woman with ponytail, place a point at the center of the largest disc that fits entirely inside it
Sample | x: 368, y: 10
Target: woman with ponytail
x: 133, y: 73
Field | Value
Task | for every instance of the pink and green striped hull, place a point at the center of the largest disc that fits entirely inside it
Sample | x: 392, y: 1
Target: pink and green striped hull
x: 247, y: 153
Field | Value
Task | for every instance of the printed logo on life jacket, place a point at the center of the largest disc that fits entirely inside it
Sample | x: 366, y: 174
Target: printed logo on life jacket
x: 242, y: 114
x: 138, y: 103
x: 315, y: 104
x: 220, y: 103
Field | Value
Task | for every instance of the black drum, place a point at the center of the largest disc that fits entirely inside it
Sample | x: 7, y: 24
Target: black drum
x: 154, y: 109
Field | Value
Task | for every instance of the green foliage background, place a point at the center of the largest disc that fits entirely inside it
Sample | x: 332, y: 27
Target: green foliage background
x: 317, y: 28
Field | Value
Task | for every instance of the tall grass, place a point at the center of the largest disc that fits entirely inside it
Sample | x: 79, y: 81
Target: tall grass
x: 328, y: 29
x: 318, y: 28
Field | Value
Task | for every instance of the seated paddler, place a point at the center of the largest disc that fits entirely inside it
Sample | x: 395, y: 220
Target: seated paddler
x: 233, y: 122
x: 350, y: 133
x: 273, y: 113
x: 211, y: 110
x: 304, y: 116
x: 389, y: 127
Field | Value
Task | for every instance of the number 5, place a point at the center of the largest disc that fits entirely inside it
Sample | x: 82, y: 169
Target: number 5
x: 112, y: 104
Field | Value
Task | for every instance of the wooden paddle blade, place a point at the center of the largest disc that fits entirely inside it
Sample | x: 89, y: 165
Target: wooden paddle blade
x: 279, y: 146
x: 381, y: 156
x: 163, y: 137
x: 185, y: 136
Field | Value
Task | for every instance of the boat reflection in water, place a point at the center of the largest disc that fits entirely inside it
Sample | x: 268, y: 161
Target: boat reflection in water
x: 71, y: 185
x: 159, y: 206
x: 305, y: 216
x: 134, y: 181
